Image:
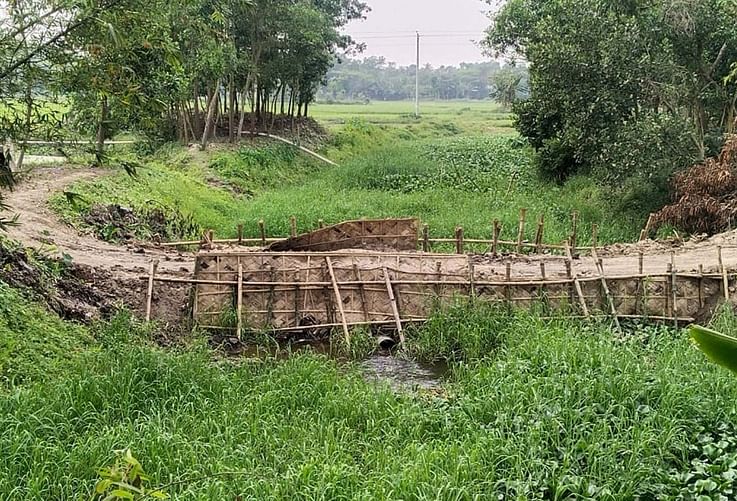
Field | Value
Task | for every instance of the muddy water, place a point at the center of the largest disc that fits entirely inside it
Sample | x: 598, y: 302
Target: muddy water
x: 403, y: 374
x: 381, y: 367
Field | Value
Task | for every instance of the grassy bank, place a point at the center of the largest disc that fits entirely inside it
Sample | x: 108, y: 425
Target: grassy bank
x: 446, y: 182
x: 543, y: 409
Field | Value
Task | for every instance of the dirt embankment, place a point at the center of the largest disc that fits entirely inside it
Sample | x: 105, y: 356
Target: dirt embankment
x: 114, y: 272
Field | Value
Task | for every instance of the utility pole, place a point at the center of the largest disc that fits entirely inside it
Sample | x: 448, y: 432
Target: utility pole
x: 417, y: 79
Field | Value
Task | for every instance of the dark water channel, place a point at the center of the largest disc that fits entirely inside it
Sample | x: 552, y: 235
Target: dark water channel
x: 383, y: 366
x: 403, y: 374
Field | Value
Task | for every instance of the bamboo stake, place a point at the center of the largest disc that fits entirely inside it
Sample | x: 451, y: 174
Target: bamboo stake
x: 439, y: 274
x: 240, y: 234
x: 605, y: 286
x: 150, y: 291
x: 574, y: 233
x: 508, y: 279
x: 320, y: 223
x: 293, y: 227
x: 539, y: 235
x: 459, y: 241
x: 673, y: 287
x: 471, y: 273
x: 645, y: 233
x: 262, y: 230
x: 270, y: 303
x: 495, y: 241
x: 426, y: 238
x: 576, y: 283
x: 395, y: 307
x: 701, y: 286
x: 725, y: 279
x: 521, y: 229
x: 339, y: 300
x: 239, y: 302
x: 669, y: 309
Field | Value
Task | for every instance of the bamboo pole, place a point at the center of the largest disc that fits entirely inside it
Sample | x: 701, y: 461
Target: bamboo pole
x: 471, y: 277
x: 723, y: 271
x: 673, y: 288
x: 576, y: 283
x: 293, y: 227
x: 239, y: 302
x: 150, y: 290
x: 521, y: 229
x: 459, y: 240
x: 240, y: 234
x: 339, y: 300
x: 395, y: 307
x: 573, y: 243
x: 425, y: 238
x: 701, y: 286
x: 605, y: 285
x: 495, y: 241
x: 262, y: 231
x: 539, y: 235
x: 645, y: 233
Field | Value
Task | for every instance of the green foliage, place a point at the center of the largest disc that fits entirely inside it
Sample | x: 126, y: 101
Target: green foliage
x: 125, y: 481
x: 621, y: 89
x: 560, y: 409
x: 719, y: 347
x: 34, y: 344
x: 468, y: 181
x: 463, y: 331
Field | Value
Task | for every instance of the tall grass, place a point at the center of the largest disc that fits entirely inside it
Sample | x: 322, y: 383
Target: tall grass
x: 467, y: 181
x: 559, y: 410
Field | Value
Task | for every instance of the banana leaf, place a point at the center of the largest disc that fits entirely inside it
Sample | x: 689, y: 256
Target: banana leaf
x: 720, y: 348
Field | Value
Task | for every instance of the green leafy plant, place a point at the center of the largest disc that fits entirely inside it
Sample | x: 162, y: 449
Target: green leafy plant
x: 720, y: 348
x: 125, y: 481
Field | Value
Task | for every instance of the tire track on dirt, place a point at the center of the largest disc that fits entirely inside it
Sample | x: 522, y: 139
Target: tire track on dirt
x: 39, y: 227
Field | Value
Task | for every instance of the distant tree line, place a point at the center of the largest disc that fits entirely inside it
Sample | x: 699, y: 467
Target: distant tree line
x: 376, y: 79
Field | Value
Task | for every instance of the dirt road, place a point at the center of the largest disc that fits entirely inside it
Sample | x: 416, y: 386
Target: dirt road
x: 40, y: 227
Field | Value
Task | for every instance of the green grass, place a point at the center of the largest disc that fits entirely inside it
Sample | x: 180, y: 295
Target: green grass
x: 447, y: 182
x: 444, y: 117
x: 556, y: 410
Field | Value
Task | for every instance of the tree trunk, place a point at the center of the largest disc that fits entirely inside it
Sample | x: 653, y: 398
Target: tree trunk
x: 209, y: 120
x: 101, y: 131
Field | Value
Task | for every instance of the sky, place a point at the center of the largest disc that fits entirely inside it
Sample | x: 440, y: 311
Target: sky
x: 450, y: 26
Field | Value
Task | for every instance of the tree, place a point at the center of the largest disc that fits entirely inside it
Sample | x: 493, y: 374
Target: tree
x: 508, y: 84
x: 605, y: 74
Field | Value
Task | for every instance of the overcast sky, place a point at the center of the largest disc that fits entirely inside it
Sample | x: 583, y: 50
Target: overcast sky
x: 451, y: 27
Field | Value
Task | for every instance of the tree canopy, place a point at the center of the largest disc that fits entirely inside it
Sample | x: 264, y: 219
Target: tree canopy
x: 622, y: 88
